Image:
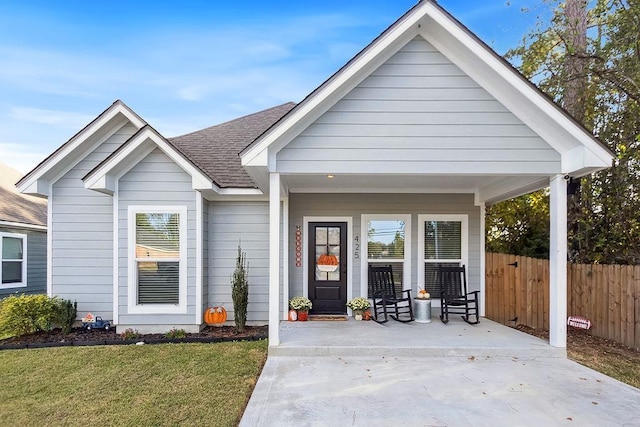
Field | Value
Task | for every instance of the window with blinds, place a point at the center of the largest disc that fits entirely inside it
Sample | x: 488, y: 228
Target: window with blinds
x: 387, y: 244
x: 13, y: 264
x: 157, y: 258
x: 444, y: 238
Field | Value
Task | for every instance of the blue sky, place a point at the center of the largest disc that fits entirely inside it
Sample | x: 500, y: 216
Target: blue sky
x: 188, y: 65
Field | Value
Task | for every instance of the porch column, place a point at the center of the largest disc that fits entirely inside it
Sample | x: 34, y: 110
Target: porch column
x: 274, y: 259
x: 558, y: 262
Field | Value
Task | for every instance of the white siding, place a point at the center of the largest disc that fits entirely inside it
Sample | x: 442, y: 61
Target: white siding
x: 354, y: 205
x: 247, y: 224
x: 156, y: 181
x: 418, y: 113
x: 82, y: 230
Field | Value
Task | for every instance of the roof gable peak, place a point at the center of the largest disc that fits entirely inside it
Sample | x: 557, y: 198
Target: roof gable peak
x: 38, y: 180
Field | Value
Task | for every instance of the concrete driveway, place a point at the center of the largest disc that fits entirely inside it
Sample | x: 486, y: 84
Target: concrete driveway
x: 455, y: 386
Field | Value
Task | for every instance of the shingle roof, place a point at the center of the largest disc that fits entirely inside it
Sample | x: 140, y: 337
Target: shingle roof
x: 17, y: 207
x: 215, y: 149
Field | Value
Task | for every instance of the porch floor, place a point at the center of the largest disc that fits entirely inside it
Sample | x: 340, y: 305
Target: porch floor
x: 368, y: 338
x: 365, y: 374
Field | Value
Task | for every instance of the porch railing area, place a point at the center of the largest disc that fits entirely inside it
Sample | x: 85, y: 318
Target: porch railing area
x: 517, y: 292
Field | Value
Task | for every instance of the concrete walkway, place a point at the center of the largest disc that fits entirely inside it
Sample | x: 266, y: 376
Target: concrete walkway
x: 451, y: 379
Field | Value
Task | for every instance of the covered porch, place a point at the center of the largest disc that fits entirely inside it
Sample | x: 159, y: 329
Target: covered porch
x: 393, y: 339
x: 426, y: 109
x: 293, y: 207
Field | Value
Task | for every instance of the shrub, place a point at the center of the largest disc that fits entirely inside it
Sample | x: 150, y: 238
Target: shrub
x: 66, y: 314
x: 240, y: 290
x: 129, y: 334
x: 26, y: 314
x: 176, y: 333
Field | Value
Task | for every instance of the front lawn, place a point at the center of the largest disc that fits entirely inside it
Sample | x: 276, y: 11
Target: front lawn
x: 166, y: 384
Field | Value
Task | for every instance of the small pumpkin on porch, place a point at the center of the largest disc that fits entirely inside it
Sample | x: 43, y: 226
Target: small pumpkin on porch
x: 215, y: 316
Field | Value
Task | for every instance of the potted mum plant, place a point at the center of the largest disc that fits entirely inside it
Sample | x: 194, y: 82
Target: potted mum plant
x: 302, y: 306
x: 359, y: 305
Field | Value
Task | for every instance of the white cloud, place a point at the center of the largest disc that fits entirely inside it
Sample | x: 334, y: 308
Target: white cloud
x: 64, y: 119
x: 20, y: 157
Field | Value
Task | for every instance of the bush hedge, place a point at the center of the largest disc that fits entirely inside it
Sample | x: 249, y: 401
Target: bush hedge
x: 26, y: 314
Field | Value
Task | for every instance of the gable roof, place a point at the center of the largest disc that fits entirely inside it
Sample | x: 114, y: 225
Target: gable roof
x: 16, y: 207
x: 215, y: 149
x: 581, y: 152
x: 103, y: 177
x: 66, y: 156
x: 238, y: 154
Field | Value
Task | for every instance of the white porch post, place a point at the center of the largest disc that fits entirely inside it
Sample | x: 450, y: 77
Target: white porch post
x: 285, y: 256
x: 558, y: 262
x: 483, y: 261
x: 274, y: 259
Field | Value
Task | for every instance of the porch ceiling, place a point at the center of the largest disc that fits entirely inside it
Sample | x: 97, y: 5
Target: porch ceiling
x: 488, y: 189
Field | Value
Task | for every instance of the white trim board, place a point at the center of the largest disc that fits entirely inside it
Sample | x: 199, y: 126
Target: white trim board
x: 21, y: 225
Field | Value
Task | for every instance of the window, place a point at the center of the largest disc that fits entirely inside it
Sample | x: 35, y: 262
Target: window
x: 157, y: 270
x: 388, y: 242
x: 13, y: 250
x: 443, y: 242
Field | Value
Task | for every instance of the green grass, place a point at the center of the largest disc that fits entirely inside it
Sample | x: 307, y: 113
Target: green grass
x: 166, y: 384
x: 616, y: 362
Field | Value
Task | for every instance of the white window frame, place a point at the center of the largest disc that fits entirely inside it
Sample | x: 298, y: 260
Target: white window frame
x: 22, y: 284
x: 364, y: 241
x: 462, y: 218
x: 132, y: 282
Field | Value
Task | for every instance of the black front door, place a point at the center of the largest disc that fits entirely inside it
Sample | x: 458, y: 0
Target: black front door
x: 328, y: 267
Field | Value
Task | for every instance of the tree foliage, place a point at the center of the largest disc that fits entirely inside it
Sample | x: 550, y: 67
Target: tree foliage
x: 520, y: 226
x: 597, y: 79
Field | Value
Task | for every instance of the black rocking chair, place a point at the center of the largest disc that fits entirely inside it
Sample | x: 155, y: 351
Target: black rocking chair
x: 454, y: 298
x: 387, y: 300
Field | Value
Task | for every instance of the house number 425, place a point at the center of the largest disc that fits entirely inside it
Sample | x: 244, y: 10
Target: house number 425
x: 356, y: 247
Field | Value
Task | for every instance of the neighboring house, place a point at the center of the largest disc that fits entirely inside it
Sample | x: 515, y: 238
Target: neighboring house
x: 23, y: 238
x: 392, y: 160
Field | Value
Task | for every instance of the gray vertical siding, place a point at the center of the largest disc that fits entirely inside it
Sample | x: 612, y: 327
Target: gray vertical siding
x: 36, y: 262
x: 82, y: 235
x: 355, y: 205
x: 418, y: 112
x: 156, y: 181
x: 246, y: 223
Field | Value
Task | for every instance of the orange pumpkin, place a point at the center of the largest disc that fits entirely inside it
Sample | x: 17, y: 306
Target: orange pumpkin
x: 215, y: 315
x: 327, y: 260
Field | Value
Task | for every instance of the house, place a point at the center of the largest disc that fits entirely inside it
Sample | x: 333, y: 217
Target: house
x: 392, y: 160
x: 23, y: 238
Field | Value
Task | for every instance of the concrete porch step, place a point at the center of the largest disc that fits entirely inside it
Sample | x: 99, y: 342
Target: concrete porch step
x: 456, y: 339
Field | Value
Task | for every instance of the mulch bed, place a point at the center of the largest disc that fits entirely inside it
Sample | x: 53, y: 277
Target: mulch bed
x: 81, y: 337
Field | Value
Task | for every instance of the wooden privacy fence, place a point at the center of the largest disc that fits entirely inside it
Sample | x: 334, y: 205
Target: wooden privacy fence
x: 607, y: 295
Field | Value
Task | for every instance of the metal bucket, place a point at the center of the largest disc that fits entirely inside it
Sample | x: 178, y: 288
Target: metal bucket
x: 422, y: 310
